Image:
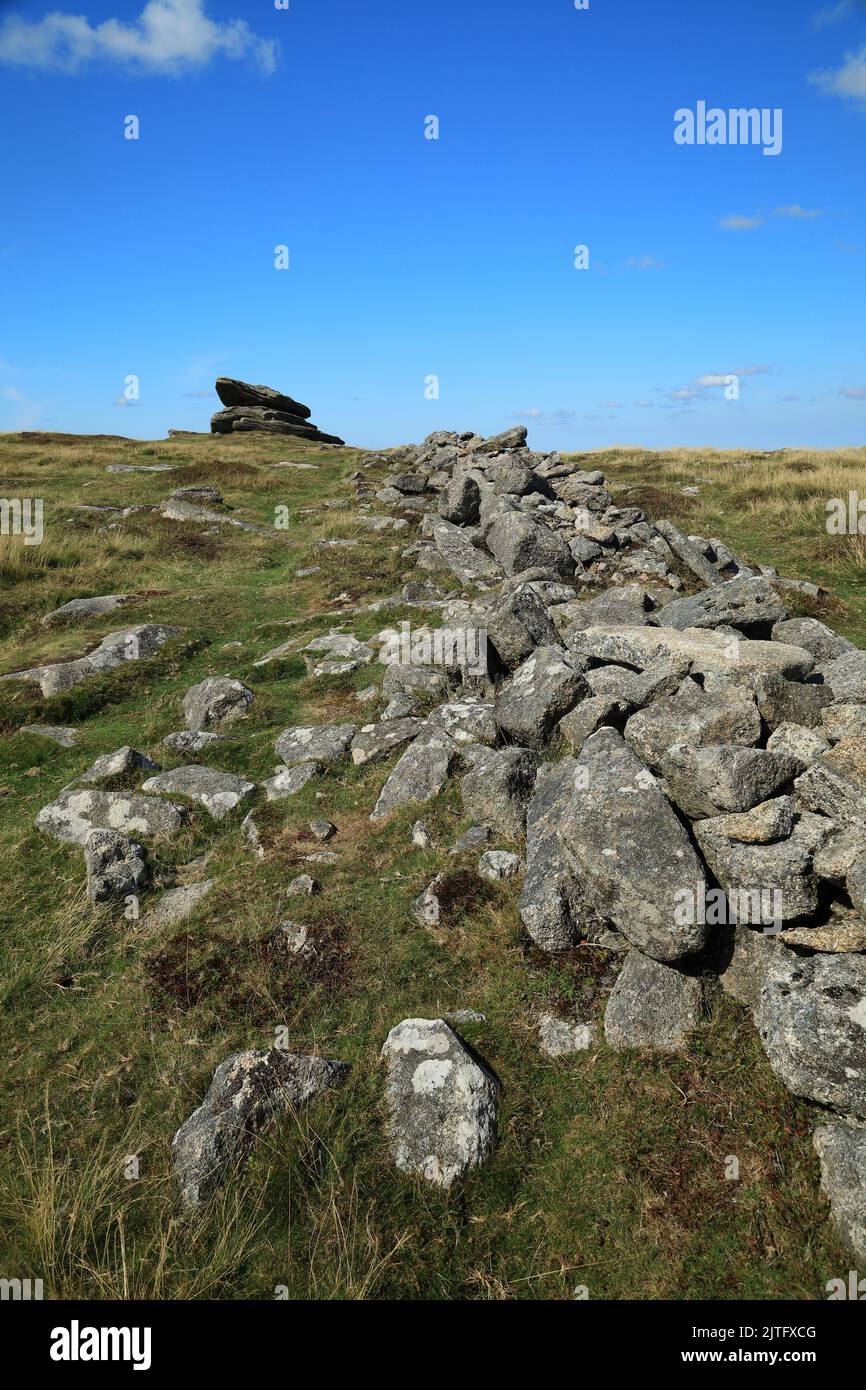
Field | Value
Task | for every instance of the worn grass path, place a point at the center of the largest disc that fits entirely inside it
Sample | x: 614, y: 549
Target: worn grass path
x: 610, y: 1170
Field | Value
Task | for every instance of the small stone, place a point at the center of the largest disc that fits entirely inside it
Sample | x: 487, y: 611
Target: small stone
x: 216, y: 700
x: 323, y: 829
x: 560, y: 1037
x: 653, y: 1005
x: 421, y: 837
x: 287, y: 781
x: 499, y: 864
x: 303, y: 886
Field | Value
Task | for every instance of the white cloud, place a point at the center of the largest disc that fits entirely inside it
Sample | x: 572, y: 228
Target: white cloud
x: 736, y: 223
x: 849, y: 80
x: 168, y: 36
x: 711, y: 379
x: 797, y: 212
x: 854, y: 393
x: 610, y: 405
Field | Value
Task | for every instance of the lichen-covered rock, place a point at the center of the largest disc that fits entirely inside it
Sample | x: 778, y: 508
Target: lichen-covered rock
x: 420, y: 774
x: 752, y: 606
x: 653, y: 1005
x: 518, y: 624
x: 497, y: 789
x: 117, y: 764
x: 693, y: 717
x: 78, y: 609
x: 812, y: 1021
x: 467, y: 721
x: 499, y: 864
x: 707, y: 650
x: 177, y: 904
x: 815, y: 636
x: 711, y: 780
x: 552, y: 906
x: 129, y: 644
x: 247, y: 1090
x: 841, y: 1149
x: 288, y: 781
x: 443, y: 1101
x: 776, y: 874
x: 320, y: 743
x: 560, y: 1037
x: 460, y: 500
x: 78, y: 811
x: 116, y: 866
x: 521, y: 542
x: 218, y: 792
x: 216, y: 700
x: 835, y: 784
x: 532, y: 701
x: 374, y: 742
x: 628, y: 850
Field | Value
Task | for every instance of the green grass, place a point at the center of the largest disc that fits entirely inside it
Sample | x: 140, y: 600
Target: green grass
x: 609, y: 1170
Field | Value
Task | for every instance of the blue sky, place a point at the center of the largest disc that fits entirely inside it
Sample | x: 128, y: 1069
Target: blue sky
x: 412, y: 257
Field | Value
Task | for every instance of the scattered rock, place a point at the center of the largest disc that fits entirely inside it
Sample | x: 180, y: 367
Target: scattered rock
x: 219, y: 793
x: 247, y: 1090
x: 499, y: 864
x: 559, y: 1037
x: 214, y: 701
x: 443, y: 1101
x: 116, y: 866
x: 653, y: 1005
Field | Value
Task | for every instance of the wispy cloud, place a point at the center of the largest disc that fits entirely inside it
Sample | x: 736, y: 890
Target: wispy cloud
x: 832, y: 14
x: 735, y: 222
x: 793, y: 210
x: 541, y: 417
x: 169, y: 36
x: 848, y: 81
x: 644, y: 263
x: 610, y: 405
x: 853, y: 393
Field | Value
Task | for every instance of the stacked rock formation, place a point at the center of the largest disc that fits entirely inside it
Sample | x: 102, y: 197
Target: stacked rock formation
x: 262, y: 408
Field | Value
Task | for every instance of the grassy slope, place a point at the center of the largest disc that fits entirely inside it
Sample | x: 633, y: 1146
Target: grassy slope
x: 610, y: 1167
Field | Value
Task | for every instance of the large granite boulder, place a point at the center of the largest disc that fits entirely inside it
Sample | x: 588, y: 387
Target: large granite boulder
x: 812, y: 1021
x: 544, y: 687
x: 629, y: 851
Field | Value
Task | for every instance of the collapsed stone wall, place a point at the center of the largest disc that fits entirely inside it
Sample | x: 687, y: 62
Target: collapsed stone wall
x: 678, y: 765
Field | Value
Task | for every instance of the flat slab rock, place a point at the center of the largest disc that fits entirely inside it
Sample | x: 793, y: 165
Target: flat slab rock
x: 322, y: 743
x: 443, y: 1101
x: 77, y: 609
x: 77, y: 811
x: 177, y: 904
x: 128, y: 644
x: 247, y: 1090
x: 812, y: 1022
x: 288, y: 781
x: 218, y: 792
x: 654, y: 1006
